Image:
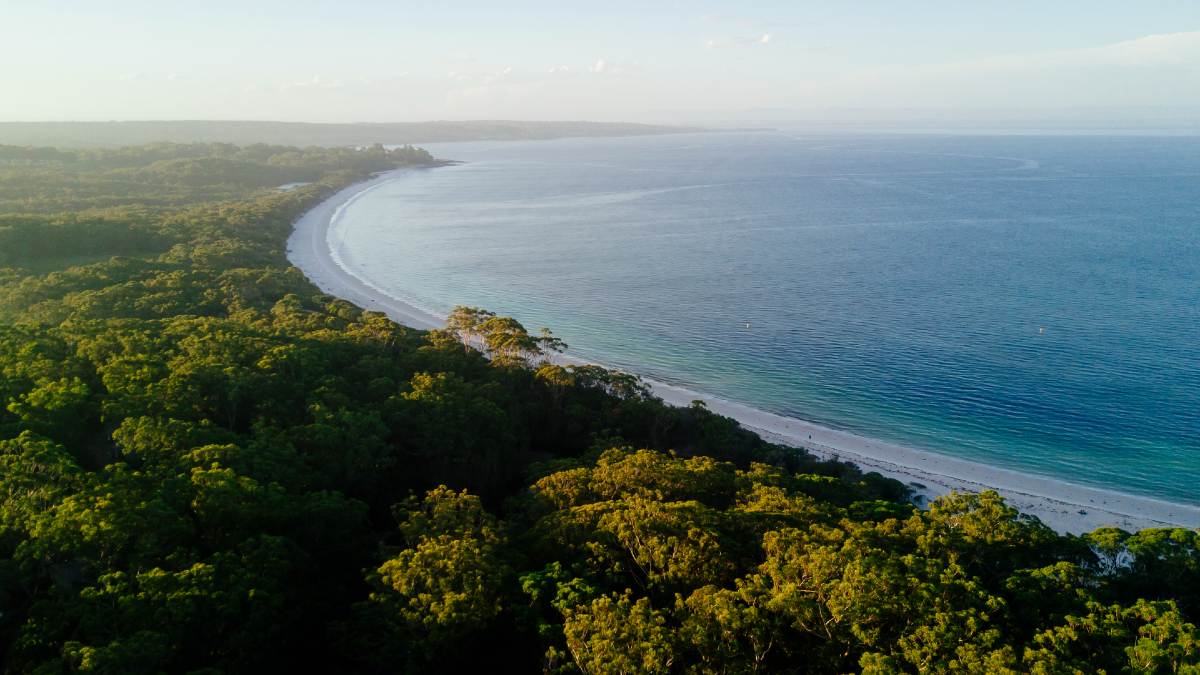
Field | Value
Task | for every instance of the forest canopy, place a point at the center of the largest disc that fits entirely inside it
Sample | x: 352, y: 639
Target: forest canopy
x: 207, y: 465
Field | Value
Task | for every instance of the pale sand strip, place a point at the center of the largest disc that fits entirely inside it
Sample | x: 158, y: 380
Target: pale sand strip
x: 1067, y: 507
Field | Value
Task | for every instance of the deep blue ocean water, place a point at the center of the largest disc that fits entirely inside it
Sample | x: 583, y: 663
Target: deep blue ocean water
x: 1029, y: 302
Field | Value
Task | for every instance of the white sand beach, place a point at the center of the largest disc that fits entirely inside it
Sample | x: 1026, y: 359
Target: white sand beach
x: 1064, y: 506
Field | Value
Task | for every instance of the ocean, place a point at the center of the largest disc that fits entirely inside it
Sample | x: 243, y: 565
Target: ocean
x: 1030, y: 302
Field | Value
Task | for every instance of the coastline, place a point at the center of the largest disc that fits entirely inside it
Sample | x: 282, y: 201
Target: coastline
x: 308, y: 249
x: 1064, y: 506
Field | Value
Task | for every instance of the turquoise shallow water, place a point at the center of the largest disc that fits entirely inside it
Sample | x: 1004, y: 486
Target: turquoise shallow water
x: 1028, y: 302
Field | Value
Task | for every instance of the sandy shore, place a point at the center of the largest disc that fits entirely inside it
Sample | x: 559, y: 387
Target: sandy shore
x: 308, y: 249
x: 1066, y: 507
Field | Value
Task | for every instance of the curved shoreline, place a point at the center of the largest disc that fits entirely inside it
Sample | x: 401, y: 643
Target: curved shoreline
x: 308, y: 249
x: 1064, y: 506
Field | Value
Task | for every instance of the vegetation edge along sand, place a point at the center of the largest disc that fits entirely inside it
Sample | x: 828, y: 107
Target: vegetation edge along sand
x: 1064, y: 506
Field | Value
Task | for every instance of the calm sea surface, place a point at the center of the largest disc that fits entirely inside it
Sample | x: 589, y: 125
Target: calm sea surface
x: 1029, y: 302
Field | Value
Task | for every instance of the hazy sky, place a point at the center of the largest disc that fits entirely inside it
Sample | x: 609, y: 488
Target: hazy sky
x: 640, y: 61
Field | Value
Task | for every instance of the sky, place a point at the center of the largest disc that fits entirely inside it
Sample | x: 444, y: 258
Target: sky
x: 651, y: 61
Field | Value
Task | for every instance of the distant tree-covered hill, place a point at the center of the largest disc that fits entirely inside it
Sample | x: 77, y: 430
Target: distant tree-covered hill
x: 92, y: 134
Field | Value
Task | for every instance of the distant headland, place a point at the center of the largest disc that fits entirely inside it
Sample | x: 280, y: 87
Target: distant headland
x: 117, y: 133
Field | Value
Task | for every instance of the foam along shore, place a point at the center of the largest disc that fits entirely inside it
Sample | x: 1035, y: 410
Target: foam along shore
x: 1064, y: 506
x: 308, y: 249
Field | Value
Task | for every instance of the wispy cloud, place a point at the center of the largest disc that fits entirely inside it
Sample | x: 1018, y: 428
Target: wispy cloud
x: 1138, y: 71
x: 503, y: 73
x: 739, y: 41
x: 315, y: 82
x: 501, y: 96
x: 738, y: 31
x: 1165, y: 49
x: 148, y: 77
x: 602, y: 66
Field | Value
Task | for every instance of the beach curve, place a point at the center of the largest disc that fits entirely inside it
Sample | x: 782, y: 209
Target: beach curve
x: 1064, y: 506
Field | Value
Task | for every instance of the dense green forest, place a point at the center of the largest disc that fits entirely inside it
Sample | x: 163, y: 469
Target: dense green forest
x: 208, y: 466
